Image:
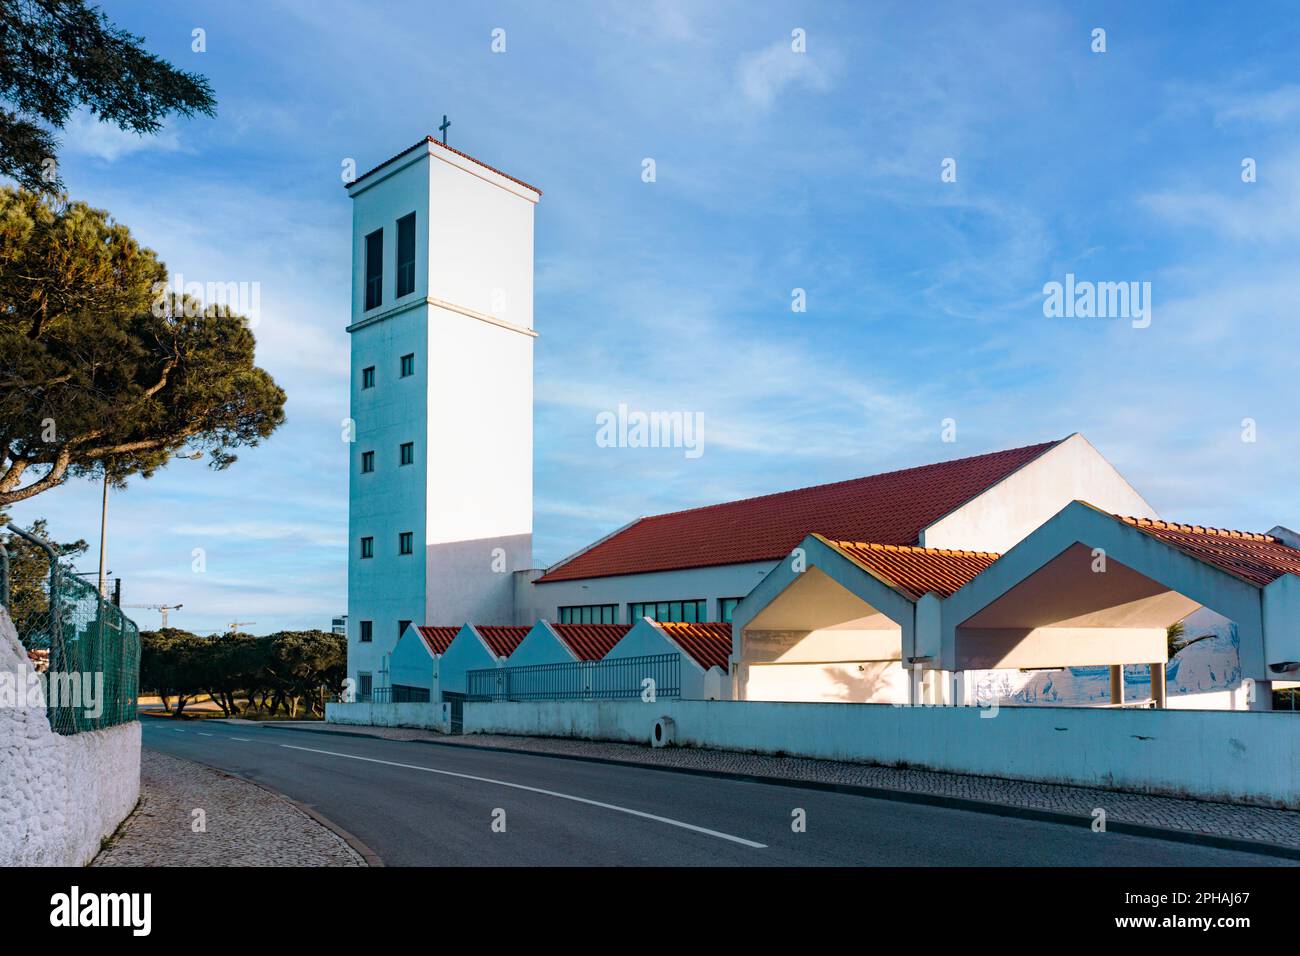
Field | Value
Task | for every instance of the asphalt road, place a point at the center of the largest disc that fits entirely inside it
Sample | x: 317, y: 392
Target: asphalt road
x: 443, y: 805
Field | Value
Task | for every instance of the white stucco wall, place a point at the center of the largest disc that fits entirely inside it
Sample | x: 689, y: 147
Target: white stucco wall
x: 411, y: 664
x: 644, y: 639
x: 59, y: 796
x: 426, y: 716
x: 382, y: 504
x: 711, y: 584
x: 465, y: 653
x: 541, y: 646
x: 1010, y: 510
x: 859, y: 682
x: 1251, y: 757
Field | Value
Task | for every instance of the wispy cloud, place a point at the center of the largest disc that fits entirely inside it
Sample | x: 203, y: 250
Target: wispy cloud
x: 763, y: 75
x: 777, y: 170
x: 88, y: 136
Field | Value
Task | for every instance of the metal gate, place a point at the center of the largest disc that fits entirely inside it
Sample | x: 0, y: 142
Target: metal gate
x: 456, y: 704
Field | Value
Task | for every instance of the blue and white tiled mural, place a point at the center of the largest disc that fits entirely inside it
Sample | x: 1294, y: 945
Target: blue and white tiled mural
x: 1208, y: 667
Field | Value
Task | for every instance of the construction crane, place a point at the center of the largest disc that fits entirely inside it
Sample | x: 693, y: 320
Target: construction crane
x: 160, y: 608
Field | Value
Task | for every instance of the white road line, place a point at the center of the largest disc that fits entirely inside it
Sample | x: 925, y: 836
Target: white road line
x: 202, y: 734
x: 244, y: 739
x: 177, y: 730
x: 549, y: 793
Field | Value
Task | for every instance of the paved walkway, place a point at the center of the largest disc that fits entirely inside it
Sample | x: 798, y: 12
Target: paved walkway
x: 1217, y: 819
x: 245, y: 824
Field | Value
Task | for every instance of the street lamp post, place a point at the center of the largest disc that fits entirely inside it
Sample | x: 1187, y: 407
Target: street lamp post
x: 103, y: 523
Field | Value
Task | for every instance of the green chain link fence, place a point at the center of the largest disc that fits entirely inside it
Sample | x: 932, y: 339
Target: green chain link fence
x: 89, y: 649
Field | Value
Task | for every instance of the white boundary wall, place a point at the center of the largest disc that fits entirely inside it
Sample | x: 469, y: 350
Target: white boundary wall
x: 433, y: 716
x: 1244, y: 757
x: 59, y: 796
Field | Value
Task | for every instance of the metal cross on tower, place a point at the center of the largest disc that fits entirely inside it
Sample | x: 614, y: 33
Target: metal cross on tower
x: 446, y: 123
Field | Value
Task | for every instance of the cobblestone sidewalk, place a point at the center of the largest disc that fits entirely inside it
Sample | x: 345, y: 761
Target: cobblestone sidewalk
x: 245, y: 825
x: 1280, y: 827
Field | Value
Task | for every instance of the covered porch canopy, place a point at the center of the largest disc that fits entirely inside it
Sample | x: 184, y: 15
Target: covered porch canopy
x: 885, y: 623
x: 838, y: 621
x: 1089, y: 588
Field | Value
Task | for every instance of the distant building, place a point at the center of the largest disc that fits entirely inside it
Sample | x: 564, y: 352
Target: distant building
x: 339, y: 625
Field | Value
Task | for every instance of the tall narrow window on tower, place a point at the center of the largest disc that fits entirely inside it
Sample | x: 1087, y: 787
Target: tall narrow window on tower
x: 406, y: 255
x: 374, y: 269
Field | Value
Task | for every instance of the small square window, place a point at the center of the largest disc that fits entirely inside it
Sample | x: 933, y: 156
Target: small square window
x: 408, y: 453
x: 368, y: 377
x: 406, y: 543
x: 367, y: 462
x: 367, y: 631
x: 367, y: 547
x: 408, y: 365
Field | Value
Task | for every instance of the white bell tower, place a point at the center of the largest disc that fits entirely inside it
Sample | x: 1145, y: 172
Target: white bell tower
x: 441, y: 465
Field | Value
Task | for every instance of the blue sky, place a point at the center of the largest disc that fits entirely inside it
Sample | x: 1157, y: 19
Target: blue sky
x: 775, y: 171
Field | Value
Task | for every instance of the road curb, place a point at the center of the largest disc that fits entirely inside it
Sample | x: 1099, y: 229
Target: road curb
x: 352, y: 840
x: 1243, y: 844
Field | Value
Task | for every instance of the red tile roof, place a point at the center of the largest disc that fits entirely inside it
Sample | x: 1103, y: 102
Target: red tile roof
x: 450, y: 149
x: 591, y: 642
x: 437, y: 639
x: 1258, y: 558
x: 709, y: 645
x: 917, y: 571
x: 501, y: 640
x: 892, y: 508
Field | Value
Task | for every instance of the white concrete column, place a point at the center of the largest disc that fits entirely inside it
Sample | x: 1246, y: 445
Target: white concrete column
x: 1117, y: 683
x: 1158, y: 689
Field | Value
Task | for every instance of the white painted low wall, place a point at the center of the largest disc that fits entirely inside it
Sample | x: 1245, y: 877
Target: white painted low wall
x: 1245, y: 757
x: 408, y: 714
x: 59, y: 796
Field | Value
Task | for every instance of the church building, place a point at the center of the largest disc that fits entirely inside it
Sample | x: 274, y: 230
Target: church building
x: 933, y: 583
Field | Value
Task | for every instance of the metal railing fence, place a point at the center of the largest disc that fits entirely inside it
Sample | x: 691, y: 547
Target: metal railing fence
x: 89, y: 649
x: 613, y: 678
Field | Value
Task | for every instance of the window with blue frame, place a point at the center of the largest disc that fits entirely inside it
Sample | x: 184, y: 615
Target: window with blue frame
x: 726, y: 608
